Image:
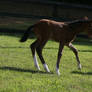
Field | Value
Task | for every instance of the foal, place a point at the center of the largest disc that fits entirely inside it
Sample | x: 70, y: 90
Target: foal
x: 62, y: 32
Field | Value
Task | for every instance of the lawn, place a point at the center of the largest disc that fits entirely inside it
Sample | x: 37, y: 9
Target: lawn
x: 17, y: 71
x: 18, y: 74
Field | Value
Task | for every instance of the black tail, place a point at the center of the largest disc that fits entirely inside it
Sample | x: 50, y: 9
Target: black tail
x: 26, y: 34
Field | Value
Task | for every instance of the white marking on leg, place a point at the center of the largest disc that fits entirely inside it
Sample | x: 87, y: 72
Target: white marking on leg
x: 36, y: 62
x: 79, y: 66
x: 46, y: 67
x: 57, y: 71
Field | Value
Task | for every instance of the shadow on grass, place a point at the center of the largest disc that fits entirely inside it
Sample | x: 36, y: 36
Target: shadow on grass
x: 85, y: 50
x: 81, y: 73
x: 12, y: 47
x: 48, y: 48
x: 23, y: 70
x: 15, y: 47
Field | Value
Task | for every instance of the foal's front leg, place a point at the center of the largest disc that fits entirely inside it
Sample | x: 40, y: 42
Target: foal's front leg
x: 76, y: 54
x: 61, y: 46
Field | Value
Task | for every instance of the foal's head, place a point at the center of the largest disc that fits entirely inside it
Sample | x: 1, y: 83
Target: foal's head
x: 85, y: 25
x: 88, y: 26
x: 88, y: 29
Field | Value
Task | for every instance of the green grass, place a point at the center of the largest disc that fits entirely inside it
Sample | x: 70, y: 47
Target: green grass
x: 18, y: 74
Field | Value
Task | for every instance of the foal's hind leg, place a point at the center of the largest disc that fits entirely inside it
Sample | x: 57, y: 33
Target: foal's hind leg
x: 39, y: 52
x: 33, y: 48
x: 76, y: 53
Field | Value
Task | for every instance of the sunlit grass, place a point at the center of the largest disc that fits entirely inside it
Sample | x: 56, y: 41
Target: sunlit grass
x: 18, y: 74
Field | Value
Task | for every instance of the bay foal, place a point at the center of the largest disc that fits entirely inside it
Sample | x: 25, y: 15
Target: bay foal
x: 62, y: 32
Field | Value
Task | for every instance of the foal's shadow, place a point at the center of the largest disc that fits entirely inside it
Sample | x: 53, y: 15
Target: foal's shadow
x: 81, y: 73
x: 23, y: 70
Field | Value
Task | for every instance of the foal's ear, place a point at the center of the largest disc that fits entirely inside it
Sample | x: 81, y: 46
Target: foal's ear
x: 85, y: 18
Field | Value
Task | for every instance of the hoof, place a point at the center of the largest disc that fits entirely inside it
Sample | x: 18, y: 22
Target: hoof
x: 57, y: 71
x: 79, y: 66
x: 38, y: 68
x: 46, y: 68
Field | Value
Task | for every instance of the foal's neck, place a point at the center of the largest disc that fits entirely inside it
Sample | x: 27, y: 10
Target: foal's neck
x: 79, y: 26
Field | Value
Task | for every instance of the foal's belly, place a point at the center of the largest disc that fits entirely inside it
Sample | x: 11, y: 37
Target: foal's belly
x: 63, y: 38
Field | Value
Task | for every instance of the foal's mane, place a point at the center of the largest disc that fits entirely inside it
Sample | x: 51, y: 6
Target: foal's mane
x: 79, y: 21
